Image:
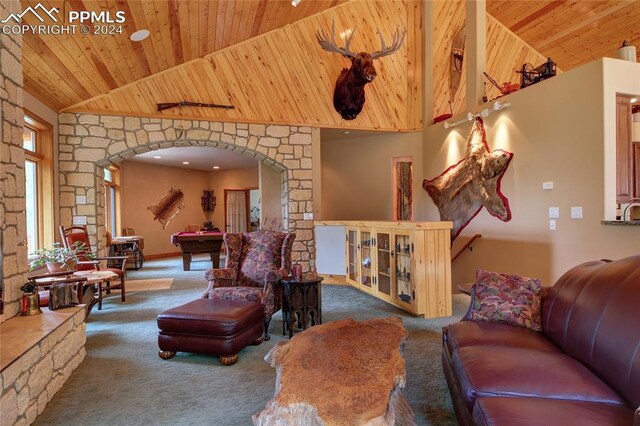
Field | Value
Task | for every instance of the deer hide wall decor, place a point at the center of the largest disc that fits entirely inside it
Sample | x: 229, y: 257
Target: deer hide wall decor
x: 463, y: 189
x: 348, y: 95
x: 168, y: 206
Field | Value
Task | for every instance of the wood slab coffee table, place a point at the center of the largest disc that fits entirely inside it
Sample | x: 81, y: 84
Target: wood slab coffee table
x: 344, y: 372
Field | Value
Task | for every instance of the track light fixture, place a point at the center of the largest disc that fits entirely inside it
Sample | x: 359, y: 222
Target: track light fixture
x: 497, y: 106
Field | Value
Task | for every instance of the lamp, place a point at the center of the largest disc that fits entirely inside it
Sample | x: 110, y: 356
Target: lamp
x: 497, y: 106
x: 294, y: 3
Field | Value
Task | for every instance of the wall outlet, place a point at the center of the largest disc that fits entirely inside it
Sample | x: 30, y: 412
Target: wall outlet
x: 554, y: 212
x: 307, y: 216
x: 576, y: 212
x: 81, y: 199
x: 79, y: 220
x: 547, y: 186
x: 552, y: 225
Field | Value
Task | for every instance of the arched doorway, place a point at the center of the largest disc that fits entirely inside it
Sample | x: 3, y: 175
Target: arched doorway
x: 88, y: 143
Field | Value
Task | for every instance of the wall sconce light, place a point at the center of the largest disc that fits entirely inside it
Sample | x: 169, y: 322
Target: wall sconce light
x: 497, y: 106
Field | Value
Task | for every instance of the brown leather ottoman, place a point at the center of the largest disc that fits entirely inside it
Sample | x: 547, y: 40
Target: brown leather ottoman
x: 215, y: 327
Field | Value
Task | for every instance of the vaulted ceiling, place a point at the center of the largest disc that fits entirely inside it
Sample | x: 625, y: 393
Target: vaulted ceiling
x: 64, y: 70
x: 104, y: 71
x: 571, y: 32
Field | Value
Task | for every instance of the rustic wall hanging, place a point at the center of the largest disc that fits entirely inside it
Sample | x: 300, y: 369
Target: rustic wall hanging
x: 167, y: 207
x: 463, y: 189
x: 348, y: 95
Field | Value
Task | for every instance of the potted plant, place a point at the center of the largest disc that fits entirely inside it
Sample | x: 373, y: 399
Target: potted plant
x: 58, y: 258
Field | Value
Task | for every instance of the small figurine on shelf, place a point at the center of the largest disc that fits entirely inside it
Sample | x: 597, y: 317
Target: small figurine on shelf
x: 30, y: 299
x: 296, y: 271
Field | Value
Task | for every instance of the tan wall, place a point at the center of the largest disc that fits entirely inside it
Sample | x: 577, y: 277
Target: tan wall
x: 230, y: 179
x: 555, y: 130
x: 143, y: 185
x: 357, y: 175
x: 270, y: 196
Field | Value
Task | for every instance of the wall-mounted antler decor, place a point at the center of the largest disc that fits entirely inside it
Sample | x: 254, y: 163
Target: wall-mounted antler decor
x: 167, y: 207
x: 348, y: 95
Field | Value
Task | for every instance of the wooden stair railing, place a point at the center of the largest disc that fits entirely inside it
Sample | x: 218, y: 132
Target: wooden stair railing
x: 467, y: 245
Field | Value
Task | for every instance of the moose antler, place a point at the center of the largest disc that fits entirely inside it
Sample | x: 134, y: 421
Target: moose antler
x: 384, y: 50
x: 330, y: 46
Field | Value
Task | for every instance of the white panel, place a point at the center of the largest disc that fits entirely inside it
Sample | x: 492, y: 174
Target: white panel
x: 330, y: 250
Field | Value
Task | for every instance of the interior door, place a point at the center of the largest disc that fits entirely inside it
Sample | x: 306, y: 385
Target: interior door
x: 236, y: 208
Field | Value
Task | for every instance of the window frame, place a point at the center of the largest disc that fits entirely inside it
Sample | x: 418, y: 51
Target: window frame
x: 115, y: 185
x: 42, y: 157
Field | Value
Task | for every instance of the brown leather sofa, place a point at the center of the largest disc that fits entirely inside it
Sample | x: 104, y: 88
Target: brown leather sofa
x: 582, y: 369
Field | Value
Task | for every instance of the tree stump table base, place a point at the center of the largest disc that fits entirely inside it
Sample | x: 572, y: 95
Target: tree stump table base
x: 341, y: 373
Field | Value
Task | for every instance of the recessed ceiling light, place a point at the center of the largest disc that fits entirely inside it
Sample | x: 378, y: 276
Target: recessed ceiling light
x: 294, y: 3
x: 185, y: 162
x: 346, y: 132
x: 157, y: 156
x: 139, y: 35
x: 634, y: 100
x: 216, y: 167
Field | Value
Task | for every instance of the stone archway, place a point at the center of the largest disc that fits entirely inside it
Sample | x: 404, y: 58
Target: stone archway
x: 88, y: 143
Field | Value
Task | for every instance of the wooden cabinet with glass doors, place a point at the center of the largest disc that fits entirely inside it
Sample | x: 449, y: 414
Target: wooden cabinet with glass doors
x: 407, y: 264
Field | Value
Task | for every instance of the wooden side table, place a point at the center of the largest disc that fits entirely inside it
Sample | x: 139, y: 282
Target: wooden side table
x: 301, y: 303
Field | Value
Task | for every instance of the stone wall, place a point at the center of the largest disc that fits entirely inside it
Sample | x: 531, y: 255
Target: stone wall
x: 13, y: 252
x: 88, y: 142
x: 32, y: 380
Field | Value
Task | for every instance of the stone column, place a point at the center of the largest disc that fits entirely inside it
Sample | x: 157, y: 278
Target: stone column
x: 13, y: 233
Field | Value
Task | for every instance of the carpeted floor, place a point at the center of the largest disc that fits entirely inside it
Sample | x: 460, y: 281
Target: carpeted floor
x: 122, y: 381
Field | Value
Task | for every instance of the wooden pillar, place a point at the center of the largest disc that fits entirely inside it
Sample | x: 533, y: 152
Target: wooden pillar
x: 476, y: 51
x: 427, y: 69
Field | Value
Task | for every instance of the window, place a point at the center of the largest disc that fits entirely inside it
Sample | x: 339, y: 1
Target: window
x: 112, y: 199
x: 37, y: 143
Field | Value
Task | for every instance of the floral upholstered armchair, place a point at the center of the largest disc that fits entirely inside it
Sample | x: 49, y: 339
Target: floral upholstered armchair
x: 256, y: 262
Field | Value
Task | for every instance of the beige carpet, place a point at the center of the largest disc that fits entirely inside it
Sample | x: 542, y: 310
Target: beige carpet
x: 147, y: 285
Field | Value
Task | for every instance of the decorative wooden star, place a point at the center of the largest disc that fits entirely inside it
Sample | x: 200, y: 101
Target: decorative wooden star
x: 463, y: 189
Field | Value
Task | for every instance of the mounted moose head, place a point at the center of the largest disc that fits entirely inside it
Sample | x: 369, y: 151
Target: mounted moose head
x: 348, y: 95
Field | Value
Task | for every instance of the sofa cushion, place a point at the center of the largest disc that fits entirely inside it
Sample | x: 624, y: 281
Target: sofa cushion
x: 510, y: 299
x: 482, y: 333
x: 544, y: 412
x: 490, y: 371
x: 247, y: 294
x: 592, y: 314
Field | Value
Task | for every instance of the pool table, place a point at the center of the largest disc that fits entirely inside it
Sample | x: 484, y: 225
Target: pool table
x: 198, y: 242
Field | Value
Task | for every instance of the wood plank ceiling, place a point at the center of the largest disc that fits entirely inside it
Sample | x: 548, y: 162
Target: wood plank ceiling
x: 571, y: 32
x: 285, y: 77
x: 64, y: 70
x: 69, y: 72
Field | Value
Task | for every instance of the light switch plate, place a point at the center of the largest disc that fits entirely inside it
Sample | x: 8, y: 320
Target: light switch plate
x: 547, y: 185
x: 552, y: 225
x: 79, y: 220
x: 307, y: 216
x: 554, y: 212
x: 576, y: 212
x: 81, y: 199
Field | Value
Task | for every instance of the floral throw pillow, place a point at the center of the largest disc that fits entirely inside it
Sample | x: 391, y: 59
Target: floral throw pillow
x: 510, y: 299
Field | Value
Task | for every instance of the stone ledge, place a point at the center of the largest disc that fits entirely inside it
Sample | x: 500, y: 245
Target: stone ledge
x: 19, y: 334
